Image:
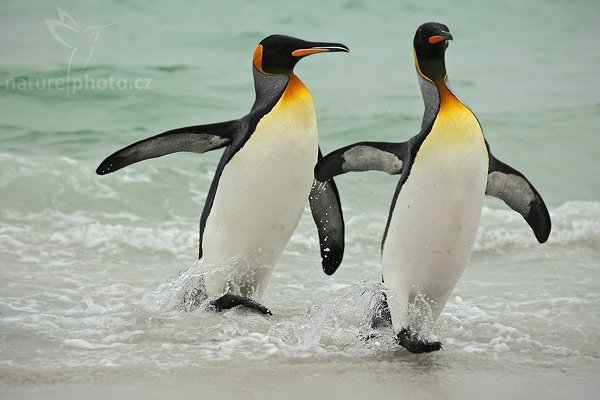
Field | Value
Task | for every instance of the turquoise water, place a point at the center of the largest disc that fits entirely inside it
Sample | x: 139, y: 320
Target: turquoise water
x: 91, y: 267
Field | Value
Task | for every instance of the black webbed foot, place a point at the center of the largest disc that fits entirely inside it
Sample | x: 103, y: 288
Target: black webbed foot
x: 229, y: 300
x: 381, y: 314
x: 380, y: 318
x: 414, y: 344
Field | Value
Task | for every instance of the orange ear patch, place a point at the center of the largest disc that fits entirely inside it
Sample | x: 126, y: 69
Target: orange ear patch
x: 257, y: 59
x: 306, y: 52
x: 436, y: 39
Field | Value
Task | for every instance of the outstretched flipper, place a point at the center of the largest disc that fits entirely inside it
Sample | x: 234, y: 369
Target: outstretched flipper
x: 229, y: 300
x: 196, y: 139
x: 363, y: 156
x: 326, y: 210
x: 510, y: 186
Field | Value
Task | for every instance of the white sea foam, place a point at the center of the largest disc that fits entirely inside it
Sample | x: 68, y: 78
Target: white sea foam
x: 78, y: 206
x: 575, y: 222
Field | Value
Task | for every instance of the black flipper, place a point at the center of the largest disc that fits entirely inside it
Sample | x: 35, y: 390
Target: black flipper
x: 229, y: 300
x: 411, y: 342
x: 196, y: 139
x: 363, y: 156
x: 510, y: 186
x: 326, y: 210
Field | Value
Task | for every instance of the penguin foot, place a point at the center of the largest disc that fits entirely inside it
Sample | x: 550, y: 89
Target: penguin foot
x: 381, y: 314
x: 229, y: 300
x: 414, y: 344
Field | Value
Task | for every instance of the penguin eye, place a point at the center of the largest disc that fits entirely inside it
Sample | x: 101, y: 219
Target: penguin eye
x: 279, y: 48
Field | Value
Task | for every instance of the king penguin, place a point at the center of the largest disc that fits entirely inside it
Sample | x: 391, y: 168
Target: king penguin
x: 445, y: 172
x: 262, y: 181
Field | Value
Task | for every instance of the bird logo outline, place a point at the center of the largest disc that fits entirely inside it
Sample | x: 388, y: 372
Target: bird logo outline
x: 66, y: 31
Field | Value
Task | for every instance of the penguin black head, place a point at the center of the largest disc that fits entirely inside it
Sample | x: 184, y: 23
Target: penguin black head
x: 278, y: 54
x: 430, y: 43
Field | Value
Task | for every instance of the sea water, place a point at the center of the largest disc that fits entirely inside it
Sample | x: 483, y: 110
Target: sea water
x: 95, y: 272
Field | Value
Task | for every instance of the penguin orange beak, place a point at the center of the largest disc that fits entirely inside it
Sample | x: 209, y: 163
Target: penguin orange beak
x: 440, y: 38
x: 315, y: 48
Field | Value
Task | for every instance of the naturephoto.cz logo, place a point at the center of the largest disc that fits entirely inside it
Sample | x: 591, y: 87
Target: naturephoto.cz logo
x: 76, y: 84
x: 80, y: 43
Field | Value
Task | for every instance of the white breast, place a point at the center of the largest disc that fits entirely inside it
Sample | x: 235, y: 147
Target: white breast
x: 260, y: 198
x: 436, y: 215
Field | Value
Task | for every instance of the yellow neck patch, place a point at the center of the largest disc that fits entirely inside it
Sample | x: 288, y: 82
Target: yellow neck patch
x: 455, y: 129
x: 449, y: 102
x: 293, y: 115
x: 295, y: 90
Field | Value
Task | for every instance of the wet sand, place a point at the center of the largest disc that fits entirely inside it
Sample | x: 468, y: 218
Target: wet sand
x: 411, y: 377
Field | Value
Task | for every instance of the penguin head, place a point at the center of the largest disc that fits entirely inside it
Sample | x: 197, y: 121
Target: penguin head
x: 430, y: 43
x: 278, y: 54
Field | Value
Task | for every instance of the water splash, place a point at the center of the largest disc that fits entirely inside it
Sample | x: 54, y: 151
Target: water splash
x: 185, y: 292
